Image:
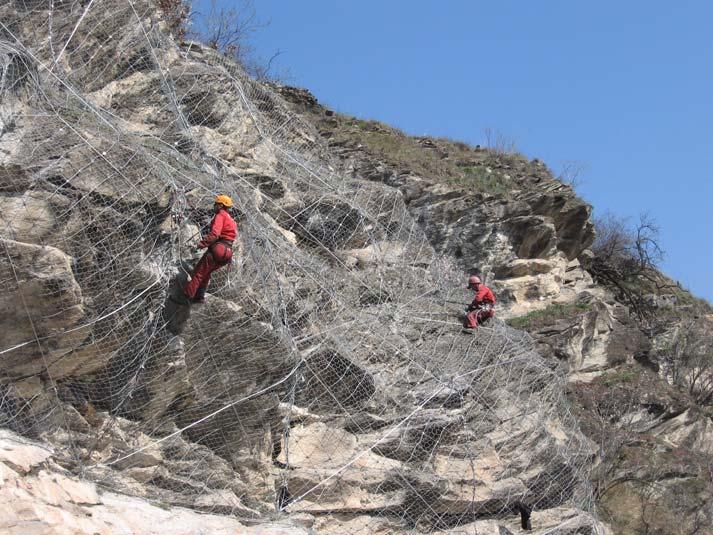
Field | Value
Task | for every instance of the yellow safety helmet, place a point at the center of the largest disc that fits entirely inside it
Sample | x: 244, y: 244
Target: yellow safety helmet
x: 224, y: 200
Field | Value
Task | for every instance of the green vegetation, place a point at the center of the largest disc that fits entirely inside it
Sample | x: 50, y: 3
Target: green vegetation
x: 163, y: 505
x: 402, y: 149
x: 397, y: 149
x: 624, y: 376
x: 480, y: 179
x: 547, y: 316
x: 443, y: 160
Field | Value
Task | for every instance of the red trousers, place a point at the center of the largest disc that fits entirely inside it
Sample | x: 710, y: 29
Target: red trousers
x: 478, y: 316
x: 217, y: 255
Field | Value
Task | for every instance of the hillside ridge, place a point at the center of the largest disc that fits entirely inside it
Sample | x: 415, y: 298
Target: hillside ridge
x: 324, y: 386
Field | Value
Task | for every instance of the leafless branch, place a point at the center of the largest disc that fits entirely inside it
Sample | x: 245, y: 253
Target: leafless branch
x: 498, y: 142
x: 625, y: 256
x: 175, y: 14
x: 231, y: 32
x: 571, y: 173
x: 688, y: 361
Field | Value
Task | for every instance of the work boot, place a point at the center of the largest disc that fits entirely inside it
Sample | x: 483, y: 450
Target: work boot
x: 199, y: 297
x: 181, y: 299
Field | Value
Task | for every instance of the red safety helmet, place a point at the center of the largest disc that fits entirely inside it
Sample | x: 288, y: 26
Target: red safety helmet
x: 472, y: 280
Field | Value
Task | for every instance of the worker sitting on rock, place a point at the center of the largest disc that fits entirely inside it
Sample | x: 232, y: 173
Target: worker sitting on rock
x: 483, y: 306
x: 219, y: 242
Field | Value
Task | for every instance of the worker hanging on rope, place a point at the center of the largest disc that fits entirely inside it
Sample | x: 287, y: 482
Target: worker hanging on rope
x: 483, y: 306
x: 219, y: 241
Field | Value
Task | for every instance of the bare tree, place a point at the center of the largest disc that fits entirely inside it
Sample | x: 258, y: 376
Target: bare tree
x: 228, y: 30
x: 263, y: 70
x: 611, y: 417
x: 231, y: 30
x: 498, y: 142
x: 613, y: 239
x: 627, y: 259
x: 571, y: 173
x: 175, y: 14
x: 688, y: 361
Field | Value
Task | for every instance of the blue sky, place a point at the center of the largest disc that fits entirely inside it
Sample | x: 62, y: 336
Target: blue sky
x: 624, y: 88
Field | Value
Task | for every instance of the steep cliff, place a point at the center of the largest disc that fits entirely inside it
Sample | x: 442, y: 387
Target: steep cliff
x: 325, y: 385
x: 641, y: 384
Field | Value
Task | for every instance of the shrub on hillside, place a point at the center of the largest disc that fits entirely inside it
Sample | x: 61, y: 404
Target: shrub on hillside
x: 228, y: 30
x: 626, y: 258
x: 175, y: 13
x: 688, y: 360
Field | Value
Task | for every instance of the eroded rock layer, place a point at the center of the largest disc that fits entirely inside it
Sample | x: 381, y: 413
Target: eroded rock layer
x: 325, y: 384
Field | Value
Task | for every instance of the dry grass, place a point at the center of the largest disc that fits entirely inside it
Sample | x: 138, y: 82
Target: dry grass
x: 451, y: 162
x: 548, y: 316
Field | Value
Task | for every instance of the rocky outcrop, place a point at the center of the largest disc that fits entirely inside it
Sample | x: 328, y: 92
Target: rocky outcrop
x: 42, y: 498
x: 529, y: 235
x: 591, y: 335
x: 325, y: 384
x: 302, y: 387
x: 517, y: 213
x: 42, y: 312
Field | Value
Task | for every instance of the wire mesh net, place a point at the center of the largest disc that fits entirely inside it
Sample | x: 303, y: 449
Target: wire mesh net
x: 325, y: 374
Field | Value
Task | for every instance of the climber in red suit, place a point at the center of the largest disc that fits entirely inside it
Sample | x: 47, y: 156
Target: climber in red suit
x: 219, y: 241
x: 483, y: 306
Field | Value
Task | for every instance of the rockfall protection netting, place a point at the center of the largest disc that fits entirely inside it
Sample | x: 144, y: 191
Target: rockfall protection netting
x: 326, y: 372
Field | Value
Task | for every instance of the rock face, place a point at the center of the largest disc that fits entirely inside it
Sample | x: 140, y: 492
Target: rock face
x: 325, y: 384
x: 502, y: 216
x: 505, y: 217
x: 44, y: 288
x: 42, y: 498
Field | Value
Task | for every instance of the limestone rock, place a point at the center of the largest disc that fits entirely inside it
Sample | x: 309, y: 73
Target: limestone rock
x: 27, y: 218
x: 53, y: 503
x: 521, y: 267
x: 325, y: 375
x: 570, y: 216
x: 310, y: 463
x: 21, y: 454
x: 691, y: 430
x: 41, y: 312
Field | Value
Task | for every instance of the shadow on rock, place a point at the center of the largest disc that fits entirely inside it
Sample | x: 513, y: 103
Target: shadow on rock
x: 177, y: 308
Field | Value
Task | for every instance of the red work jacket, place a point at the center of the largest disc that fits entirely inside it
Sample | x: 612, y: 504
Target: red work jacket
x: 482, y: 296
x: 223, y: 227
